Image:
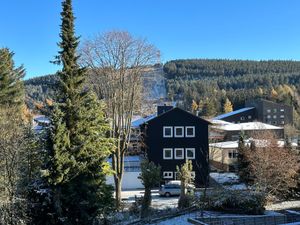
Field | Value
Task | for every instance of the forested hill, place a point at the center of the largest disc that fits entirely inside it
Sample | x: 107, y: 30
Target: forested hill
x: 199, y: 68
x: 39, y: 89
x: 204, y: 84
x: 208, y: 83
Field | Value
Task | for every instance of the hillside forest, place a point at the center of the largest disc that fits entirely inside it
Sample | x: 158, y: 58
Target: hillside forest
x: 205, y: 85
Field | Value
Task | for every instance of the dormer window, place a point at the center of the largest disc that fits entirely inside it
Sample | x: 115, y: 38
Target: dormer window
x: 168, y: 132
x: 179, y: 131
x: 190, y: 131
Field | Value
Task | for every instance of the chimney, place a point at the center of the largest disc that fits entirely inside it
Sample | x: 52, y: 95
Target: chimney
x: 163, y: 109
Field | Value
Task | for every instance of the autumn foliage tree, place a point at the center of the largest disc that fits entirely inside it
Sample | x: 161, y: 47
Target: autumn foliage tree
x: 228, y: 107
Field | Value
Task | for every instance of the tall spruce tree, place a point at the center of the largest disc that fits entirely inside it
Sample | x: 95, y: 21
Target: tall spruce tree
x: 11, y: 84
x: 78, y: 145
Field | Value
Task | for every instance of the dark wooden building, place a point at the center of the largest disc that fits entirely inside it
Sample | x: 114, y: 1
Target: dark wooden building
x: 260, y: 110
x: 271, y: 112
x: 175, y: 136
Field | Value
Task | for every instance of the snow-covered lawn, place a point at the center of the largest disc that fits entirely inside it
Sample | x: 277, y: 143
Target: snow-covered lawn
x: 284, y: 205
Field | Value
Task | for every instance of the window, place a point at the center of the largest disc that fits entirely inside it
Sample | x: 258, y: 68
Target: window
x: 268, y: 116
x: 281, y: 116
x: 281, y: 110
x: 168, y: 153
x: 275, y: 110
x: 167, y: 174
x: 230, y: 155
x: 176, y: 176
x: 179, y: 131
x: 242, y: 118
x: 275, y: 122
x: 190, y: 153
x: 179, y: 153
x: 168, y: 132
x: 282, y: 122
x: 268, y: 110
x: 274, y: 117
x: 190, y: 131
x: 249, y: 117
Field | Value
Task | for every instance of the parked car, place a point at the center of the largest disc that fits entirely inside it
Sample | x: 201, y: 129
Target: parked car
x: 173, y: 188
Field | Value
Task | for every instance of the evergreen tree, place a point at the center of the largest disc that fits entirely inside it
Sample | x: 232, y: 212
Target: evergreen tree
x: 243, y: 163
x: 150, y: 177
x: 227, y: 106
x: 11, y: 84
x: 78, y: 144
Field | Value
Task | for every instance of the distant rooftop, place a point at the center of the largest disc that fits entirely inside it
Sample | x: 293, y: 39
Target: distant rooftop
x: 220, y: 117
x: 246, y: 126
x: 139, y: 121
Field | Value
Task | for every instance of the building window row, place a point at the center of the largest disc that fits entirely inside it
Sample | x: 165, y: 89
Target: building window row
x: 179, y: 153
x: 274, y: 110
x: 178, y: 131
x: 174, y: 175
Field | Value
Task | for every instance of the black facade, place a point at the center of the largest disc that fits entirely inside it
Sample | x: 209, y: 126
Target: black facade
x: 271, y: 112
x: 260, y: 110
x: 175, y: 136
x: 243, y: 115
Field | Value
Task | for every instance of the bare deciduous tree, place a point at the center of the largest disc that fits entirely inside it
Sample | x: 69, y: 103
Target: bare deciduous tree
x: 272, y: 167
x: 116, y: 61
x: 12, y: 206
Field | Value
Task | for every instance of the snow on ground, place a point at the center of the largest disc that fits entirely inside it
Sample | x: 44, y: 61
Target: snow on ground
x: 158, y: 202
x: 179, y: 220
x: 236, y: 187
x: 284, y: 205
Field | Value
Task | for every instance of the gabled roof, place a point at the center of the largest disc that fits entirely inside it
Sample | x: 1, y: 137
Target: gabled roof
x: 220, y: 117
x: 178, y: 110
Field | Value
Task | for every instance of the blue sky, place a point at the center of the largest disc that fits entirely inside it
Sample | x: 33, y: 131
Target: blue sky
x: 234, y: 29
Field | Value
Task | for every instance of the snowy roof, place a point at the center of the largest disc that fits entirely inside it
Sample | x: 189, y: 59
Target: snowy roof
x: 247, y: 126
x: 139, y: 121
x: 258, y: 143
x: 226, y: 144
x: 220, y: 117
x: 41, y: 119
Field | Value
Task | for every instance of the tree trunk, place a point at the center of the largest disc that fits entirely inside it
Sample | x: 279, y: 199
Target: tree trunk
x: 146, y: 203
x: 118, y: 189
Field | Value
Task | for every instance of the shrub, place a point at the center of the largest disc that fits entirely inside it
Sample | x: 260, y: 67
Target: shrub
x: 243, y: 202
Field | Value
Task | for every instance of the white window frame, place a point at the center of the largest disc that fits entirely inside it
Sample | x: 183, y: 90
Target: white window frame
x: 186, y: 133
x: 268, y: 110
x: 281, y: 116
x: 190, y: 149
x: 281, y: 110
x: 166, y: 176
x: 180, y: 127
x: 177, y: 149
x: 249, y: 117
x: 164, y: 152
x: 164, y: 132
x: 274, y: 117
